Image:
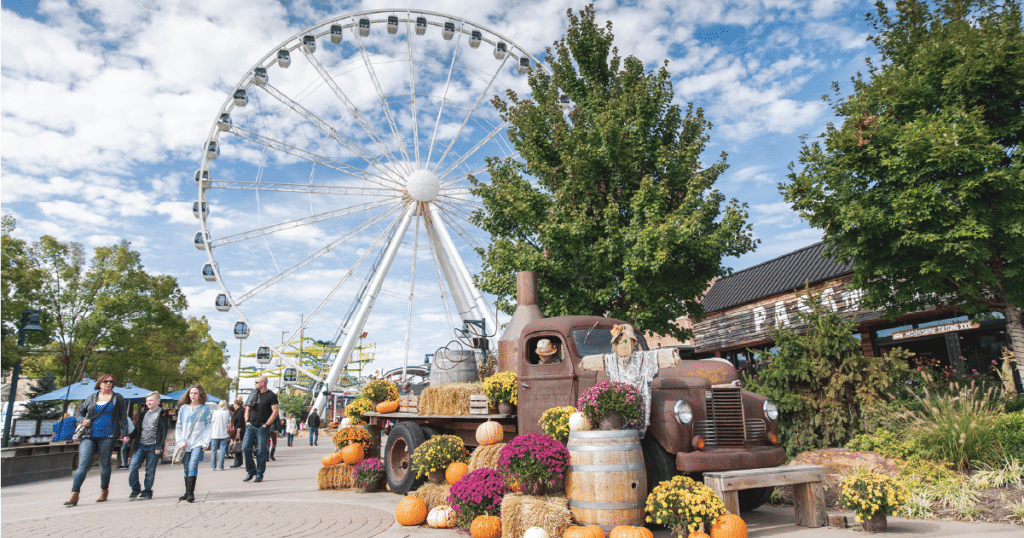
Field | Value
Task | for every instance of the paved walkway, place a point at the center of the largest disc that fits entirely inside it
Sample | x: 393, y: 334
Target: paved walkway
x: 287, y: 504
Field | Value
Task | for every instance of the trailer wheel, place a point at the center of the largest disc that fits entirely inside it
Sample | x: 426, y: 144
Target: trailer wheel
x: 750, y: 499
x: 402, y: 441
x: 659, y: 464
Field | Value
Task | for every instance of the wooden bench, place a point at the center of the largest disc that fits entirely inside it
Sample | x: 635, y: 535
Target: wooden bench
x: 807, y: 482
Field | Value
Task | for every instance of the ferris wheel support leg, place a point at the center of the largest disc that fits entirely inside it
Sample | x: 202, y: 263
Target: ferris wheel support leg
x: 462, y: 272
x: 364, y: 309
x: 456, y: 287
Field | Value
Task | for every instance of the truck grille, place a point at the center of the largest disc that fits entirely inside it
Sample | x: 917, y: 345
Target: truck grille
x: 757, y: 430
x: 725, y: 426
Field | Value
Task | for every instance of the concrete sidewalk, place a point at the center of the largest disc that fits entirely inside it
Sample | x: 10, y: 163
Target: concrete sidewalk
x: 287, y: 504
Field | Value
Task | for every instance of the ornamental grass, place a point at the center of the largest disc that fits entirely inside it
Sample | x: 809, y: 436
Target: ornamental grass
x: 683, y: 505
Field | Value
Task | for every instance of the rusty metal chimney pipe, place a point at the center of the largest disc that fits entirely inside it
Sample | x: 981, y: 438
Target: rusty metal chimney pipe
x: 526, y: 311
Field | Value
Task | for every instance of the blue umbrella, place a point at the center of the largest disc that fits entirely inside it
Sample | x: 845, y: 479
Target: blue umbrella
x: 74, y: 391
x: 176, y: 395
x: 136, y: 394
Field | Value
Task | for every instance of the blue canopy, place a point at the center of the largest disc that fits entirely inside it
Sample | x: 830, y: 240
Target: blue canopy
x: 176, y: 395
x: 82, y: 389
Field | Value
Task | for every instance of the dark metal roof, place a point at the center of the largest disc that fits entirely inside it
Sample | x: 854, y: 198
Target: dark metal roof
x: 785, y: 273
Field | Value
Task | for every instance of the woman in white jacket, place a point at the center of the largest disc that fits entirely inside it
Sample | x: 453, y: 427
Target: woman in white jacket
x: 219, y: 445
x: 193, y: 433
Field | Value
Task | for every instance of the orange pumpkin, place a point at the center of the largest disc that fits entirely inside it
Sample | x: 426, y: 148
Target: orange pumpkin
x: 698, y: 534
x: 489, y: 433
x: 388, y: 406
x: 411, y: 511
x: 455, y: 471
x: 331, y: 459
x: 626, y: 531
x: 597, y: 531
x: 575, y: 531
x: 485, y: 527
x: 352, y: 454
x: 729, y: 526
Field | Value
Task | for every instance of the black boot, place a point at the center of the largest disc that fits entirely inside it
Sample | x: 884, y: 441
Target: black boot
x: 190, y: 488
x: 272, y: 450
x: 184, y: 496
x: 238, y: 460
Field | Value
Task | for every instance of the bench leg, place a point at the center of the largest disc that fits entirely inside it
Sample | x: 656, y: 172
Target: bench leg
x: 731, y: 499
x: 809, y: 504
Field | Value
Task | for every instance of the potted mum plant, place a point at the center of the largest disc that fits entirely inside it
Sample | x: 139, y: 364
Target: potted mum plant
x: 683, y: 505
x: 501, y: 388
x: 611, y: 405
x: 477, y: 493
x: 368, y: 475
x: 380, y: 390
x: 872, y: 496
x: 555, y: 422
x: 535, y: 461
x: 353, y: 434
x: 354, y: 411
x: 431, y: 458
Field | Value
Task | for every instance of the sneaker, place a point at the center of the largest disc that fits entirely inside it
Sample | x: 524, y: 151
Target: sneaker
x: 146, y: 497
x: 259, y: 478
x: 249, y: 477
x: 134, y: 495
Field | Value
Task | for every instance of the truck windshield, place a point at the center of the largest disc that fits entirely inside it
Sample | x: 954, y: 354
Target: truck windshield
x: 597, y: 341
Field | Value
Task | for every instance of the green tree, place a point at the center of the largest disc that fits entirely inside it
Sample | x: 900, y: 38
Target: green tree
x: 19, y: 277
x: 293, y: 404
x: 107, y: 304
x: 612, y: 206
x: 205, y: 362
x: 44, y: 410
x: 921, y: 186
x: 826, y: 389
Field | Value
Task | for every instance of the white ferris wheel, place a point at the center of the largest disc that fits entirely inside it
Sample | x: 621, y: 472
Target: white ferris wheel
x: 335, y: 183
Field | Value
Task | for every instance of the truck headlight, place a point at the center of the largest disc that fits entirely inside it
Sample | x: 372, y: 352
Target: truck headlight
x: 771, y: 411
x: 683, y: 413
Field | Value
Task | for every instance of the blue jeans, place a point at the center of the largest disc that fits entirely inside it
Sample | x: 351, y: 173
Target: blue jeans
x: 291, y: 437
x: 191, y: 460
x: 255, y: 436
x: 314, y: 435
x: 147, y: 453
x: 218, y: 451
x: 89, y: 446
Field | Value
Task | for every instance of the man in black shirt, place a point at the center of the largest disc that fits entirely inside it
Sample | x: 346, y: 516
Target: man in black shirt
x: 260, y: 417
x: 313, y: 422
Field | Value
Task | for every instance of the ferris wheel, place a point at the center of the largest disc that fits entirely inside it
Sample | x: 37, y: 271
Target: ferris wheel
x: 335, y: 182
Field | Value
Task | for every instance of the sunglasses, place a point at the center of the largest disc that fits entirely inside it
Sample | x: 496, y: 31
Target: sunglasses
x: 105, y: 381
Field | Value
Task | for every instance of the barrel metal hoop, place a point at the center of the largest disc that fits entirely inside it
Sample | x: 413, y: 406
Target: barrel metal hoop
x: 606, y: 506
x: 607, y: 468
x: 603, y: 434
x: 602, y: 448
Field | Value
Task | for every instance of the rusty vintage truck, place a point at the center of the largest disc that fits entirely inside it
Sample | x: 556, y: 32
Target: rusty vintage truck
x: 701, y: 418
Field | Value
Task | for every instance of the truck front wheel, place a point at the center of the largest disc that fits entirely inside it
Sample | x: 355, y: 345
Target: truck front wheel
x: 660, y: 465
x: 402, y: 441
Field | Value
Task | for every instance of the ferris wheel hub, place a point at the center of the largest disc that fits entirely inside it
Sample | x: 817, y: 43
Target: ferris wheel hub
x: 423, y: 185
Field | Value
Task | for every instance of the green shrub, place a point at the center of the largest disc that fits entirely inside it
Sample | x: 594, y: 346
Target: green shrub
x: 959, y: 428
x: 1010, y: 429
x: 1013, y: 404
x: 886, y: 443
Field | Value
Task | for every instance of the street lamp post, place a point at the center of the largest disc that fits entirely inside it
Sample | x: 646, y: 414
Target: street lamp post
x: 29, y: 322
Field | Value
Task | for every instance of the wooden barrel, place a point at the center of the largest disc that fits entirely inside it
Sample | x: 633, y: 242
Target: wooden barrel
x: 607, y: 483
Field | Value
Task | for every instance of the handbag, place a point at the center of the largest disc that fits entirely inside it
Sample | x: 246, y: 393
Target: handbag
x: 235, y: 446
x: 81, y: 432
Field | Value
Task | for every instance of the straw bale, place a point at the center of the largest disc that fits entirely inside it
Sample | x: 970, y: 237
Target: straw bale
x: 448, y: 399
x: 520, y: 512
x: 335, y: 477
x: 485, y: 456
x: 433, y: 494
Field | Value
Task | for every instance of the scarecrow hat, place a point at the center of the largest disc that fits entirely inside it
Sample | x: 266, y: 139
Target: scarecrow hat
x: 545, y: 348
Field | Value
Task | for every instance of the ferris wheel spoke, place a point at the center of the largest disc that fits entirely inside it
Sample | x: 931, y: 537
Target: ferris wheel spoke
x: 463, y: 210
x: 460, y: 230
x: 321, y: 124
x: 307, y: 155
x: 383, y: 100
x: 458, y: 178
x: 473, y: 150
x: 412, y: 93
x: 468, y: 116
x: 287, y: 225
x: 383, y: 192
x: 314, y: 256
x: 444, y: 96
x: 370, y: 131
x: 412, y: 288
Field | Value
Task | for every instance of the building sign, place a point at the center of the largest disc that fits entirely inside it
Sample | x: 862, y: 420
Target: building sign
x: 937, y: 329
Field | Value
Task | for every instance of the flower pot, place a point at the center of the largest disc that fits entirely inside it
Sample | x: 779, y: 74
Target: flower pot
x: 372, y: 487
x: 505, y: 408
x: 611, y: 421
x: 533, y: 486
x: 875, y: 523
x: 436, y: 477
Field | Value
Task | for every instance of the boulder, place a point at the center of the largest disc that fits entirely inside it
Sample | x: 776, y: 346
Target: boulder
x: 842, y: 461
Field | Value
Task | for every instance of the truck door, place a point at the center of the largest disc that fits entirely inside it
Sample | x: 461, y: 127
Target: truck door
x: 545, y: 379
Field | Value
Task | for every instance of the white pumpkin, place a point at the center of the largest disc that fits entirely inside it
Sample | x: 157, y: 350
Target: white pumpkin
x: 441, y: 517
x: 535, y: 532
x: 578, y: 422
x: 346, y: 422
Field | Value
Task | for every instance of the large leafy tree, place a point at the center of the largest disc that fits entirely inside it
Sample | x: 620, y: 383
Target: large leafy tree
x: 109, y: 303
x: 921, y: 185
x: 19, y: 276
x: 612, y: 206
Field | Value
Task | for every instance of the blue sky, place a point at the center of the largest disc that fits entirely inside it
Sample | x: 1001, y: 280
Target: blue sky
x: 107, y: 106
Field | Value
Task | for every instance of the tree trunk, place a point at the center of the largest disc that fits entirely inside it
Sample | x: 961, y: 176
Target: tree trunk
x: 1016, y: 334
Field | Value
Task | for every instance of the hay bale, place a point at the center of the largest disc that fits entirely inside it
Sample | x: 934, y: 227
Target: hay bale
x: 335, y: 477
x: 433, y: 494
x: 520, y: 512
x: 448, y: 399
x: 485, y: 456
